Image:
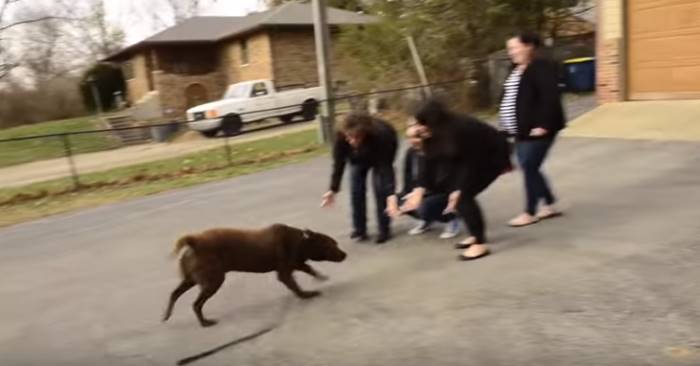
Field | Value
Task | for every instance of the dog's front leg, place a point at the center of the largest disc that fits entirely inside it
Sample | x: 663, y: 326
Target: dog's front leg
x: 311, y: 271
x: 287, y: 279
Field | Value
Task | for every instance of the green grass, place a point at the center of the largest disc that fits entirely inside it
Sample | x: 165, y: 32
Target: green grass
x: 47, y: 198
x: 18, y: 152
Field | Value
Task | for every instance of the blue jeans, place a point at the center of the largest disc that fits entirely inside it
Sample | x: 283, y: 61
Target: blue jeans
x: 531, y: 155
x: 431, y: 209
x: 358, y: 196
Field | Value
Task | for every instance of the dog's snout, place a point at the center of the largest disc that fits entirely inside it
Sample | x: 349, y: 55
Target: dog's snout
x: 341, y: 256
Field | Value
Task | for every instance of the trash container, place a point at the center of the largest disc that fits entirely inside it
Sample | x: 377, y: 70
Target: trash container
x: 162, y: 133
x: 580, y: 74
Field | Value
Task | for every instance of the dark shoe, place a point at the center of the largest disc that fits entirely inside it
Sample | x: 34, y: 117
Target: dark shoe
x: 463, y: 257
x: 358, y: 236
x: 382, y: 238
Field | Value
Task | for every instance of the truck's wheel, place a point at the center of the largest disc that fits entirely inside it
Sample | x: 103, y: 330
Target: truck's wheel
x: 309, y: 109
x: 231, y: 124
x: 287, y: 118
x: 210, y: 133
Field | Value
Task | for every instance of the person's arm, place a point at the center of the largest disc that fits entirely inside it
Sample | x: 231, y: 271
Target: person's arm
x: 408, y: 163
x: 461, y: 174
x: 341, y: 151
x: 546, y: 83
x: 386, y: 164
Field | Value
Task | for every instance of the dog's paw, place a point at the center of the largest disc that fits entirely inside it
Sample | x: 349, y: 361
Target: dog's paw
x: 208, y: 323
x: 310, y: 295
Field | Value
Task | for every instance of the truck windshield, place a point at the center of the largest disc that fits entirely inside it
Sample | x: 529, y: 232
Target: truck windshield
x: 236, y: 91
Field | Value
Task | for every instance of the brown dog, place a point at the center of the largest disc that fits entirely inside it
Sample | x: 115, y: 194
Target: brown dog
x: 212, y: 253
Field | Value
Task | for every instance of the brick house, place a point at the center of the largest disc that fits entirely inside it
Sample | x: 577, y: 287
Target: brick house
x: 193, y: 62
x: 648, y: 50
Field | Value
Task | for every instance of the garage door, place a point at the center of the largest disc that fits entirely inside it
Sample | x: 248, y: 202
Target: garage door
x: 663, y: 49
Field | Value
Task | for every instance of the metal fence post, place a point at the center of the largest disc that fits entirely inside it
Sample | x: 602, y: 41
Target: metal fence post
x: 71, y: 164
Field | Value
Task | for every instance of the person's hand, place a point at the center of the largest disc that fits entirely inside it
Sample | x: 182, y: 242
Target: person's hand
x: 328, y: 199
x: 538, y: 131
x: 452, y: 202
x: 413, y: 201
x: 392, y: 206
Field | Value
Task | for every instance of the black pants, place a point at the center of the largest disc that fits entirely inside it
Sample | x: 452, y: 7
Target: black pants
x: 431, y: 209
x: 468, y: 207
x: 358, y: 195
x: 531, y: 155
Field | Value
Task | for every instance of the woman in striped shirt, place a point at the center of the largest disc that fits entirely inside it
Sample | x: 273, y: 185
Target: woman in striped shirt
x: 531, y: 112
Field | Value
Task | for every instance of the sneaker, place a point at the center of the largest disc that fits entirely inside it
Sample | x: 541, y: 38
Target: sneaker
x: 358, y: 236
x: 451, y: 229
x: 382, y: 238
x: 421, y: 228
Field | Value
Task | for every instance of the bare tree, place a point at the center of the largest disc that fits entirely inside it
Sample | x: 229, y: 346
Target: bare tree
x: 90, y: 33
x: 7, y: 23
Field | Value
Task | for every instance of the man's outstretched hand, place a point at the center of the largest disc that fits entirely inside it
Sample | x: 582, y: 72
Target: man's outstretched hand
x: 328, y: 199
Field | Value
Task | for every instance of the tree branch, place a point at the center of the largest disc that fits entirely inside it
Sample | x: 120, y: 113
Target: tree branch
x: 28, y: 21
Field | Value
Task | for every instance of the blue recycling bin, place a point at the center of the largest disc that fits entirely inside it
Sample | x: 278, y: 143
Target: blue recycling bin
x: 580, y: 74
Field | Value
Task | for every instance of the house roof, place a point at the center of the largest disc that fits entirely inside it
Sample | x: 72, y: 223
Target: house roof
x: 209, y: 29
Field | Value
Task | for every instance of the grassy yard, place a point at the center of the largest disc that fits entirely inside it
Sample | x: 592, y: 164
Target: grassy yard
x: 18, y: 152
x: 47, y: 198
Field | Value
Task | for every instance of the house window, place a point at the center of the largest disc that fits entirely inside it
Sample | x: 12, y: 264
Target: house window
x: 244, y: 52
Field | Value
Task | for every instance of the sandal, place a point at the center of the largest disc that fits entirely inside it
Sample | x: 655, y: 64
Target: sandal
x: 463, y: 257
x: 523, y: 220
x: 548, y: 214
x: 466, y: 243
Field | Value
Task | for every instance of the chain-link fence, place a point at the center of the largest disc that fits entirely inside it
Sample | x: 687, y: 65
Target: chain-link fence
x: 34, y: 166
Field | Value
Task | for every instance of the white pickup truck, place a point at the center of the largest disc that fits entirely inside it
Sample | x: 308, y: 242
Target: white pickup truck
x: 251, y: 101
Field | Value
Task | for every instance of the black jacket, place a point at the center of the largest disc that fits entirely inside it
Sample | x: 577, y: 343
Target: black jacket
x: 539, y: 102
x: 377, y: 151
x: 438, y: 175
x: 468, y: 147
x: 411, y: 168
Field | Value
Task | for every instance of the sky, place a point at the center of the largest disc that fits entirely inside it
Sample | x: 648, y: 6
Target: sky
x: 137, y: 19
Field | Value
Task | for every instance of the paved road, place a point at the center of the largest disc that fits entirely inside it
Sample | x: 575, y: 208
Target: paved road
x: 615, y: 282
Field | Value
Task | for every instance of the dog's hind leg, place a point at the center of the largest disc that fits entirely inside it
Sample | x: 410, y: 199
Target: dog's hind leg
x: 208, y: 288
x: 185, y: 285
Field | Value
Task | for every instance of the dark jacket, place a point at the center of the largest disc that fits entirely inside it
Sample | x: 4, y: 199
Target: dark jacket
x: 377, y: 151
x: 411, y: 169
x: 539, y: 102
x: 438, y: 177
x: 467, y: 146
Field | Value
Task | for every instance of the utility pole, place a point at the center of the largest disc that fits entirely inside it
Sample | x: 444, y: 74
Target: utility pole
x: 322, y: 37
x: 419, y: 66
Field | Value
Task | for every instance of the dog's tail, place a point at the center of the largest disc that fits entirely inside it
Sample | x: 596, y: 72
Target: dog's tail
x: 185, y: 241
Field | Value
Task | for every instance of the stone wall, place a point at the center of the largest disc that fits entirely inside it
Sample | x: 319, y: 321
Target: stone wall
x: 294, y: 56
x: 172, y: 88
x: 259, y: 65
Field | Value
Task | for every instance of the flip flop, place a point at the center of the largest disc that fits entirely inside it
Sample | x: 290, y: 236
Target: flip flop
x: 534, y: 221
x: 551, y: 215
x: 462, y: 245
x: 463, y: 257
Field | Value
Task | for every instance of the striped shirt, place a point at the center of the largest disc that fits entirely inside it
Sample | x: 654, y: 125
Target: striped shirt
x: 508, y: 120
